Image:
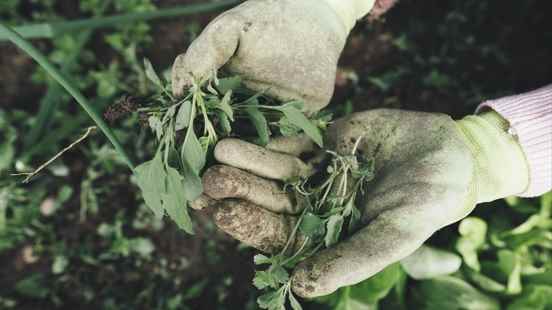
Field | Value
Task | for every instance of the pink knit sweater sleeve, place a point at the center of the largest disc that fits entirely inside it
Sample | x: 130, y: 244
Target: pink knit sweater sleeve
x: 530, y: 118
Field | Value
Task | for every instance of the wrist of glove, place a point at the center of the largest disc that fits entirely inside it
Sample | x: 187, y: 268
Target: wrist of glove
x: 501, y: 169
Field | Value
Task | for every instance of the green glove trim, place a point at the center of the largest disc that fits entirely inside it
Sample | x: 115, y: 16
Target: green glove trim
x: 501, y: 166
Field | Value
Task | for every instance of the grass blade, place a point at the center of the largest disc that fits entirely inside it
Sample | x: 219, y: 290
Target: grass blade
x: 51, y: 101
x: 28, y: 48
x: 51, y: 30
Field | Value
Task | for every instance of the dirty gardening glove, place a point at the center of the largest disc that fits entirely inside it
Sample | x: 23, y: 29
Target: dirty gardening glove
x: 430, y: 172
x: 286, y: 48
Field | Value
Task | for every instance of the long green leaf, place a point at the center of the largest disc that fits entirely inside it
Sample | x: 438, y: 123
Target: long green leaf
x: 45, y: 63
x: 175, y: 201
x: 296, y: 117
x: 192, y: 152
x: 51, y: 30
x: 150, y: 177
x: 259, y: 121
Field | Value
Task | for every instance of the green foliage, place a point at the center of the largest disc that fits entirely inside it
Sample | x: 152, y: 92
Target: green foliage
x: 294, y: 116
x: 452, y: 293
x: 7, y: 143
x: 367, y: 293
x: 33, y: 286
x: 329, y: 203
x: 205, y: 113
x: 535, y: 297
x: 473, y: 231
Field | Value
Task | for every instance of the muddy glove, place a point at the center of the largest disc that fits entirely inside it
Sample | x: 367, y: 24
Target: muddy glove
x: 430, y: 172
x: 286, y: 48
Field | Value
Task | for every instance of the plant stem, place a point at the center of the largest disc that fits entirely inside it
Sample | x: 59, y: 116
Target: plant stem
x: 30, y: 175
x: 71, y: 89
x: 52, y: 30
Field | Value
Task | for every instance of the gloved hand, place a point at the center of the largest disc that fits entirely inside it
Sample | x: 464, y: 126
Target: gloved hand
x: 286, y: 48
x: 431, y: 171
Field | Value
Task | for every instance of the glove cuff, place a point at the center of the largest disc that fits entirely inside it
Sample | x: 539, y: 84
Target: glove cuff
x: 349, y: 11
x: 529, y: 118
x: 501, y: 166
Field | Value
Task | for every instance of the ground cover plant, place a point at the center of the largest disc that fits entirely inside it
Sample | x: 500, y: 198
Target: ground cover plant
x: 79, y: 235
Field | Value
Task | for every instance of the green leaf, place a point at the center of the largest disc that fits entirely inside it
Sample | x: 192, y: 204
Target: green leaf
x: 169, y: 114
x: 60, y: 264
x: 280, y: 274
x: 150, y: 177
x: 452, y: 294
x: 333, y: 229
x: 229, y: 84
x: 7, y: 148
x: 264, y: 279
x: 33, y: 286
x: 299, y: 105
x: 353, y: 213
x: 175, y: 201
x: 156, y: 126
x: 534, y: 297
x: 347, y: 303
x: 224, y: 105
x: 195, y: 290
x: 142, y: 246
x: 485, y: 283
x: 224, y: 123
x: 287, y: 128
x: 192, y: 186
x: 377, y: 287
x: 261, y: 259
x: 151, y: 74
x: 183, y: 116
x: 311, y: 225
x: 366, y: 294
x: 473, y: 231
x: 294, y: 303
x: 4, y: 200
x: 428, y: 262
x: 274, y: 300
x: 259, y: 121
x: 510, y: 264
x: 192, y: 152
x: 297, y: 118
x: 544, y: 278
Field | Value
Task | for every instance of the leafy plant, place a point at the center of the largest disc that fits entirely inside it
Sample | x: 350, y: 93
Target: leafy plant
x: 172, y: 178
x: 329, y: 214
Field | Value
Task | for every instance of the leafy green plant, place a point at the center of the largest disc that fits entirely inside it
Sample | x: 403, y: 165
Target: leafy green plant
x: 329, y: 214
x: 172, y: 178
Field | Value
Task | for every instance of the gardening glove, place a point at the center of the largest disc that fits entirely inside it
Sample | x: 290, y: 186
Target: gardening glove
x: 430, y: 171
x: 287, y: 49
